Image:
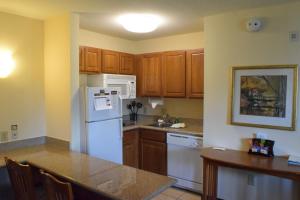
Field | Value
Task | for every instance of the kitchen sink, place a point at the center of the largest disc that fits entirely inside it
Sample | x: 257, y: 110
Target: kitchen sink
x: 161, y: 125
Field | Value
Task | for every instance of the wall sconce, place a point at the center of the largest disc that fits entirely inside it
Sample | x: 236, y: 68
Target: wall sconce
x: 7, y: 63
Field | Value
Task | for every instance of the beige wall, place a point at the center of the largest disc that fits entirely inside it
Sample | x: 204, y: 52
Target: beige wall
x: 175, y: 42
x: 58, y: 77
x: 228, y: 44
x: 93, y: 39
x: 22, y: 93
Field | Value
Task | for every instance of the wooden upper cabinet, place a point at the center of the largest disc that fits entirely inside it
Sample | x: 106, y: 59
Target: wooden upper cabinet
x: 110, y: 62
x: 173, y: 74
x: 92, y: 60
x: 139, y: 75
x: 127, y: 63
x: 151, y: 75
x: 195, y: 73
x: 81, y: 60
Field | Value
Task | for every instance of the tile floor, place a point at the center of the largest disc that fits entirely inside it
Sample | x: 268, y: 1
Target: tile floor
x: 177, y: 194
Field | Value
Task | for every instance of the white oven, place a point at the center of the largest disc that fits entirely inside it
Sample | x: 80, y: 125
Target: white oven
x: 127, y: 83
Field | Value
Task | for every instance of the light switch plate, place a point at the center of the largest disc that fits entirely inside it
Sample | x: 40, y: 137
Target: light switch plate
x: 14, y: 131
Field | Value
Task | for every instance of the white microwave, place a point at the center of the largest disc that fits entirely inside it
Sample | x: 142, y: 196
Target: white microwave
x: 127, y: 83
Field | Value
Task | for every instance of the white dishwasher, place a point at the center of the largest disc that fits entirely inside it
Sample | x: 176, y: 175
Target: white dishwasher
x: 184, y: 161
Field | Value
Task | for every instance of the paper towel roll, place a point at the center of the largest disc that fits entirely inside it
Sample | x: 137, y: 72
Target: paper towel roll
x: 155, y: 102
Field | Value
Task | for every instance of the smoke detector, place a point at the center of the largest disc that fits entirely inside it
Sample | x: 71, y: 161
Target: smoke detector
x: 254, y: 25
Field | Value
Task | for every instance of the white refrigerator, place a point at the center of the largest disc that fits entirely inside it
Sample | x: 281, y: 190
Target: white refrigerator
x: 103, y: 124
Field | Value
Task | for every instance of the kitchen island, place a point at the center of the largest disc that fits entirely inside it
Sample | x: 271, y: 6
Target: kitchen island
x: 98, y: 178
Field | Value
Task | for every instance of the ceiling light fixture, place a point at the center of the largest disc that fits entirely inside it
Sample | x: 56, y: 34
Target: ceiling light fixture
x: 140, y: 23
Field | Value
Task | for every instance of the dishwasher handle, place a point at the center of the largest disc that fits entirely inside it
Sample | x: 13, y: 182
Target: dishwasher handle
x: 178, y: 136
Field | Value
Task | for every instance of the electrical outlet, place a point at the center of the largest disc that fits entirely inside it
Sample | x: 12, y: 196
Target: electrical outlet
x: 4, y: 136
x: 251, y: 179
x: 14, y: 131
x: 294, y: 36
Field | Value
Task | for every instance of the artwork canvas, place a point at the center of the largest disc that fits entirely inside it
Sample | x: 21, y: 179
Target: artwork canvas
x: 264, y: 96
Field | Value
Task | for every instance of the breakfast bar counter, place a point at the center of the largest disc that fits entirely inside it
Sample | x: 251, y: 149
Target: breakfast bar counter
x: 107, y: 179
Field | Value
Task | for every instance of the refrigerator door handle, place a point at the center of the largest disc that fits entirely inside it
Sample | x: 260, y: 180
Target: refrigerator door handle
x: 121, y: 128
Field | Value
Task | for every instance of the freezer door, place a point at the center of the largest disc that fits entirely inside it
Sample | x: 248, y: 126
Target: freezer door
x: 104, y: 140
x: 103, y: 104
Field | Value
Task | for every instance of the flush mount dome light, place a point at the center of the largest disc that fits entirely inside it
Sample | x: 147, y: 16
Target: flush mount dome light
x: 140, y: 23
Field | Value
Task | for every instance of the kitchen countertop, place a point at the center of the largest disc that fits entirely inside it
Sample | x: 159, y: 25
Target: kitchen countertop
x: 101, y: 176
x: 193, y: 127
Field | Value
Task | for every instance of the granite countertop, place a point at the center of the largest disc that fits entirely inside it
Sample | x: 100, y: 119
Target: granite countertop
x: 106, y: 178
x: 193, y: 126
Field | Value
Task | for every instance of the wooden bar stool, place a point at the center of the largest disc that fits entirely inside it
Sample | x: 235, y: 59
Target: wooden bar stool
x: 55, y: 189
x: 21, y: 180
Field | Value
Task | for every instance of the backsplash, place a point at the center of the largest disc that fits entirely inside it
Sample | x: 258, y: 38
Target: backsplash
x: 175, y: 107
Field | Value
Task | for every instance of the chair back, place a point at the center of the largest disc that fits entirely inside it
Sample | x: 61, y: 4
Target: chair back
x: 55, y: 189
x: 21, y: 180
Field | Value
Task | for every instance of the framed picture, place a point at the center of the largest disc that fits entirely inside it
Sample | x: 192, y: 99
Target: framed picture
x: 264, y: 96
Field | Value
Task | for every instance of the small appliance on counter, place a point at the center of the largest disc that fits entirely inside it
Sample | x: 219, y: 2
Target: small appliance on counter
x: 134, y: 108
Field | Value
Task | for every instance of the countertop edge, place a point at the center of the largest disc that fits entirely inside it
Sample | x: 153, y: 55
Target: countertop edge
x: 183, y: 131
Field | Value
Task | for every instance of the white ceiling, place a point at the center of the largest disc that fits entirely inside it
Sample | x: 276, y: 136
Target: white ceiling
x: 182, y: 16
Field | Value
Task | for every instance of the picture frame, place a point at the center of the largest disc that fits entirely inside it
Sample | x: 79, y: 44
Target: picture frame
x: 264, y: 96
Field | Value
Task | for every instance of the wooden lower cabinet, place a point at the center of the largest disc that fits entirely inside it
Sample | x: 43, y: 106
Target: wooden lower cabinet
x: 153, y: 156
x: 145, y: 149
x: 153, y: 151
x: 131, y: 148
